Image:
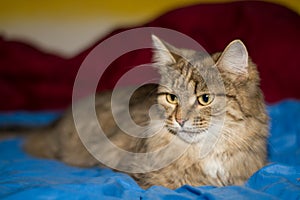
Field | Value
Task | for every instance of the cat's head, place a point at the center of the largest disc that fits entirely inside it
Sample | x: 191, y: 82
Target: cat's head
x: 195, y: 87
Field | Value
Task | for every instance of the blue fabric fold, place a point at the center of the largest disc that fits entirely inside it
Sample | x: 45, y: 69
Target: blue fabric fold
x: 25, y: 177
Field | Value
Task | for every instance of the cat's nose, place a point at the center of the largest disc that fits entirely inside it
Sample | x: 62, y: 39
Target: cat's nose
x: 181, y: 122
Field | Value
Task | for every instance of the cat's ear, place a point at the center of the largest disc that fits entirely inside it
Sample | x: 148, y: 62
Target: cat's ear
x: 234, y: 59
x: 164, y: 53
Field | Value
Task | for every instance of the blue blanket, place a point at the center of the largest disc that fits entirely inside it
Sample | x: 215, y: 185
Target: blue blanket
x: 25, y: 177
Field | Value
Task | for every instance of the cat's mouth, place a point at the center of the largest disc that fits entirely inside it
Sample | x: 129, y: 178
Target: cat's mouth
x: 189, y: 132
x: 183, y: 131
x: 188, y: 136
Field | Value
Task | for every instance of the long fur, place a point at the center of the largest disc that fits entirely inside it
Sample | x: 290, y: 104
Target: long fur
x: 228, y: 157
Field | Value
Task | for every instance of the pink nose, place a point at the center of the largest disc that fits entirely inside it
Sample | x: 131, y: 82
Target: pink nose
x: 181, y: 122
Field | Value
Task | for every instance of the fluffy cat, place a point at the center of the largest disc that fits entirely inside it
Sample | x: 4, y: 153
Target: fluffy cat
x: 214, y: 126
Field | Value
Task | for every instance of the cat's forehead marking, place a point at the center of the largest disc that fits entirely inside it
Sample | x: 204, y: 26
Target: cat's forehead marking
x: 188, y: 76
x: 192, y: 75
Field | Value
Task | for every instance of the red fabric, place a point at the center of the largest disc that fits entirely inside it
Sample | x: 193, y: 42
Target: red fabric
x: 31, y: 79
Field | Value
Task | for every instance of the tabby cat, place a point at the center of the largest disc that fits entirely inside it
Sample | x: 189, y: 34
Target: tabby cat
x: 205, y: 123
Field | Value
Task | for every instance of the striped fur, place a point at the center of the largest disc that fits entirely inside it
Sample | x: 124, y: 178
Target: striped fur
x: 219, y: 157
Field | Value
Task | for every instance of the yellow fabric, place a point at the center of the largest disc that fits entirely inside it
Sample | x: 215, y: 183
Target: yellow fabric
x: 20, y: 9
x: 69, y: 26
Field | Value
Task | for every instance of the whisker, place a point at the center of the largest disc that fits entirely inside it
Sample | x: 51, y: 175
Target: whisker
x: 241, y: 143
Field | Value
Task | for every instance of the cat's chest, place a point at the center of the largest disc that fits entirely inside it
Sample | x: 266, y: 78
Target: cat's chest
x: 213, y: 167
x: 207, y: 171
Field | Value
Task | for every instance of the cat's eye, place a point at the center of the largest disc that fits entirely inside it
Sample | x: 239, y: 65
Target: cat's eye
x: 172, y: 98
x: 205, y: 99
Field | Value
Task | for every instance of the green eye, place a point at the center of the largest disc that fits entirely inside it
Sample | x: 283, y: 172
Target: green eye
x: 205, y: 99
x: 172, y: 98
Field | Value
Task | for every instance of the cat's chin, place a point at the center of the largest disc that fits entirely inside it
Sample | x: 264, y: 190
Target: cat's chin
x: 190, y: 137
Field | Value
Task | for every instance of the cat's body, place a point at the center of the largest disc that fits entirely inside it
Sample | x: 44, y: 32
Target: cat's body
x: 187, y: 106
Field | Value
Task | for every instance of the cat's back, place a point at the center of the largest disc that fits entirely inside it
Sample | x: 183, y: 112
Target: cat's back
x: 63, y: 140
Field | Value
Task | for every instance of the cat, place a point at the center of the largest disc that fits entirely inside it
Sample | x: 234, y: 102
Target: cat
x: 215, y: 126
